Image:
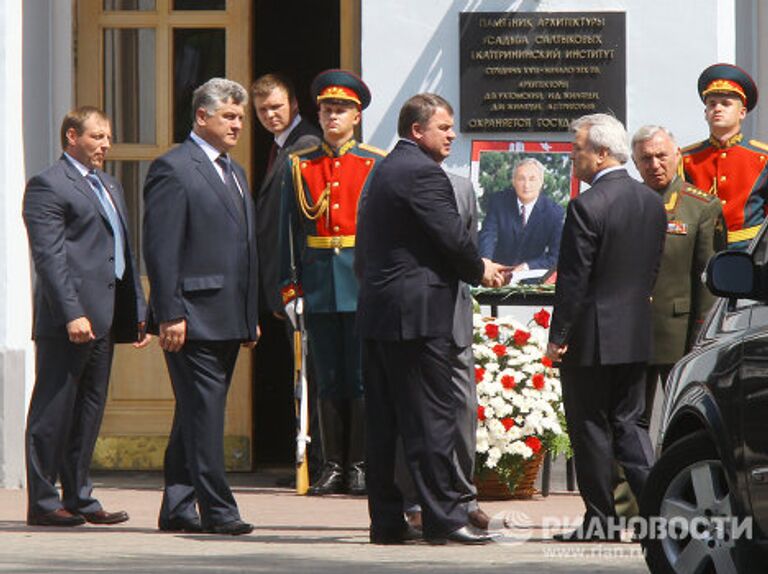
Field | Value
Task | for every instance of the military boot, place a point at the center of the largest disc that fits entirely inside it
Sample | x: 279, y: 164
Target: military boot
x: 331, y: 480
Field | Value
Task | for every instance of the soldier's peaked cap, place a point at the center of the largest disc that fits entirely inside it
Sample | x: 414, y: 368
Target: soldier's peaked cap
x: 340, y: 85
x: 727, y: 78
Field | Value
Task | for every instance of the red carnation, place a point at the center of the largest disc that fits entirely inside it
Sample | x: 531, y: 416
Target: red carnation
x: 521, y: 337
x: 533, y: 443
x: 546, y: 361
x: 492, y: 330
x: 538, y: 381
x: 542, y: 318
x: 508, y: 382
x: 500, y: 350
x: 508, y: 423
x: 479, y: 374
x: 481, y: 413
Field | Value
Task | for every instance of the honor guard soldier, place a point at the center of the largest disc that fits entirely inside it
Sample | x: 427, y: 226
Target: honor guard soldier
x: 725, y: 165
x: 318, y: 226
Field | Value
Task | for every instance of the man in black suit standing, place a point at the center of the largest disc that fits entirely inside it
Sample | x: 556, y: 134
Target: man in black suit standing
x: 613, y: 239
x: 200, y: 250
x: 277, y: 108
x: 414, y: 249
x: 463, y: 384
x: 87, y: 298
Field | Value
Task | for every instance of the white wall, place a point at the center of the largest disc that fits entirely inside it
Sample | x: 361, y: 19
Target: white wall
x: 36, y: 73
x: 410, y: 47
x: 15, y: 347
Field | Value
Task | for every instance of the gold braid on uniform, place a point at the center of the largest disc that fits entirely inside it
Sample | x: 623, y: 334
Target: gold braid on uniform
x: 311, y: 212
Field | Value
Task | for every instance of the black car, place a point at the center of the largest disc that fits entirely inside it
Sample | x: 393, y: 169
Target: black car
x: 709, y: 487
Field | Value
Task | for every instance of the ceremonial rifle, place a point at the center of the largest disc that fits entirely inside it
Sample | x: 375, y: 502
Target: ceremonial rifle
x: 300, y: 393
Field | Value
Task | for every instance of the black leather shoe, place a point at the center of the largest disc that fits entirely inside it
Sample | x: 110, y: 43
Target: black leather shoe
x: 179, y: 524
x: 104, y: 517
x: 386, y: 537
x: 356, y: 479
x: 464, y: 535
x: 234, y: 528
x: 331, y: 481
x: 59, y: 517
x: 578, y: 535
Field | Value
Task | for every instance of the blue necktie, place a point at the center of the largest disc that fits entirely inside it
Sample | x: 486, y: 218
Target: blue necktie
x: 114, y: 221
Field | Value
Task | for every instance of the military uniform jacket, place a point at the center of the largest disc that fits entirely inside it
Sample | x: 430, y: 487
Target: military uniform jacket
x: 695, y: 232
x: 319, y: 223
x: 736, y: 172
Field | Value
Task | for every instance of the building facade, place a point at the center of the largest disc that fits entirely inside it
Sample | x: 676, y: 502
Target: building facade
x: 140, y: 59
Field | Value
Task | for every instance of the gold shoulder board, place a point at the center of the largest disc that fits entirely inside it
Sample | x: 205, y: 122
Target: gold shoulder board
x: 758, y: 143
x: 305, y: 150
x: 698, y: 194
x: 693, y: 146
x: 372, y: 149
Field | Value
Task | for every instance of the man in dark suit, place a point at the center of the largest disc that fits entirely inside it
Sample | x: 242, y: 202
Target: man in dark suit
x: 87, y: 298
x: 414, y: 249
x: 463, y: 385
x: 276, y: 106
x: 601, y: 325
x: 522, y: 227
x: 274, y: 101
x: 200, y: 249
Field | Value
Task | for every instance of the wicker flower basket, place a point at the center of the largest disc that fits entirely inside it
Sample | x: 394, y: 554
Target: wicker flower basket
x: 490, y: 487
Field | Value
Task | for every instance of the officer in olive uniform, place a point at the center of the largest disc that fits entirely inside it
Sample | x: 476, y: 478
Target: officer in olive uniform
x: 318, y: 226
x: 695, y: 232
x: 725, y: 165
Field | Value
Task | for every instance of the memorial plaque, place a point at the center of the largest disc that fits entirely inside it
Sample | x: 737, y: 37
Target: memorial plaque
x: 537, y: 71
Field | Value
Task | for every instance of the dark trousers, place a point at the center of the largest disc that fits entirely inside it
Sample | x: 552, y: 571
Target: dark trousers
x: 336, y: 355
x: 603, y: 405
x: 465, y: 390
x: 194, y: 460
x: 63, y: 422
x: 409, y: 394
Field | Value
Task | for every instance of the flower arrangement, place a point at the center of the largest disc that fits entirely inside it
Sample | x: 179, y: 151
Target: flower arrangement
x: 520, y: 412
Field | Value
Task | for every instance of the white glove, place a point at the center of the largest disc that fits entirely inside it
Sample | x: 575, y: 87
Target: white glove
x: 293, y: 309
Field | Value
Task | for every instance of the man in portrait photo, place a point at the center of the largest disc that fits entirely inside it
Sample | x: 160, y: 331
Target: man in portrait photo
x: 522, y: 226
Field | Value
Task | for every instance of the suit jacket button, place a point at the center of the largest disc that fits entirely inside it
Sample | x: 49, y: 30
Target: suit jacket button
x: 111, y: 259
x: 111, y: 286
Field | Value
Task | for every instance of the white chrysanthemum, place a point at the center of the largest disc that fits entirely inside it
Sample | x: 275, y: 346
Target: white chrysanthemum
x: 519, y: 447
x: 494, y: 454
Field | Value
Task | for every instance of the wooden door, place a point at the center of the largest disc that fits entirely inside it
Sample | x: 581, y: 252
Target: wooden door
x: 140, y: 60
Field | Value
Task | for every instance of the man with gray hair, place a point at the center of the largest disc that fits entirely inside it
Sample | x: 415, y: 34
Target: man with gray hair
x: 523, y: 226
x: 695, y: 231
x: 601, y: 325
x: 200, y: 252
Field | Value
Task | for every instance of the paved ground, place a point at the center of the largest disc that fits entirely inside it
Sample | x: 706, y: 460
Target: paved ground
x: 293, y: 534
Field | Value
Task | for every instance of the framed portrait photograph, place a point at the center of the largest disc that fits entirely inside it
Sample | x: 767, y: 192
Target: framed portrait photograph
x: 523, y: 188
